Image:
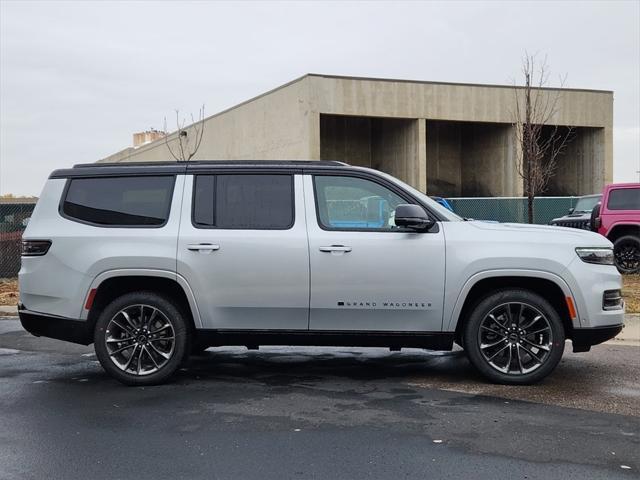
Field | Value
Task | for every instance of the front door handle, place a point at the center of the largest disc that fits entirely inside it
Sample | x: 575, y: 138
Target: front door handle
x: 206, y: 247
x: 335, y: 248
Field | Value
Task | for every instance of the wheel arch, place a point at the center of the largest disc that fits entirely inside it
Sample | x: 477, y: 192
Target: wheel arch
x: 622, y: 229
x: 546, y: 284
x: 111, y: 284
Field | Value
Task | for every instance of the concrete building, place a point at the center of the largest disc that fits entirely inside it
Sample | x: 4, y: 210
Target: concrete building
x: 443, y: 138
x: 148, y: 136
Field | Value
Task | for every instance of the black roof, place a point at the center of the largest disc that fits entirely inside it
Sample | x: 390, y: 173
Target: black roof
x: 155, y: 168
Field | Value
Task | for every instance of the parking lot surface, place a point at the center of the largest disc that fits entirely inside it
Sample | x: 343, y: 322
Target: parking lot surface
x: 314, y: 413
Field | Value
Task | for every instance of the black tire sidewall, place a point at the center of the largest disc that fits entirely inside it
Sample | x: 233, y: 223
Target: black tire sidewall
x: 616, y: 246
x: 175, y: 316
x: 479, y: 312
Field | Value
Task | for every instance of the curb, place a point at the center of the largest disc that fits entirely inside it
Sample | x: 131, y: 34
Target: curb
x: 630, y: 334
x: 8, y: 310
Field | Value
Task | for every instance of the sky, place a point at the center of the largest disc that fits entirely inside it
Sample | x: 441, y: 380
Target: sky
x: 78, y: 78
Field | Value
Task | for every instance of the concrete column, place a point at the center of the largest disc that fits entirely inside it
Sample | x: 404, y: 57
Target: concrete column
x: 395, y: 149
x: 443, y: 158
x: 314, y: 136
x: 421, y: 167
x: 489, y: 158
x: 513, y: 182
x: 607, y: 156
x: 346, y: 139
x: 582, y: 169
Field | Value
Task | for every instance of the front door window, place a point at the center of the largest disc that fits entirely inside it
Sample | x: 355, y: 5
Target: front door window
x: 351, y: 203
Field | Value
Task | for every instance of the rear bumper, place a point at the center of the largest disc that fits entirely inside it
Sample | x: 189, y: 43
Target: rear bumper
x: 584, y: 338
x: 51, y: 326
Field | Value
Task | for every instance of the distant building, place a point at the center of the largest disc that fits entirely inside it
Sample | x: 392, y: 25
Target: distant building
x: 148, y: 136
x: 446, y: 139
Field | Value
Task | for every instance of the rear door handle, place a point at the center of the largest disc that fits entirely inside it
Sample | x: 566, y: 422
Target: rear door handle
x: 203, y: 247
x: 335, y: 248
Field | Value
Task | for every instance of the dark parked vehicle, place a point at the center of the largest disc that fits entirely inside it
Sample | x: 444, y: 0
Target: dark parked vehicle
x: 580, y: 215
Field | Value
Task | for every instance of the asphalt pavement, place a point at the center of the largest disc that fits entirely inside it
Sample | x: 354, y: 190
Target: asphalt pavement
x: 337, y: 413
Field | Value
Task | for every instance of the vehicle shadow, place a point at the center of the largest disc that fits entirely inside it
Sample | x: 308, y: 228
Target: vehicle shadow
x: 285, y: 365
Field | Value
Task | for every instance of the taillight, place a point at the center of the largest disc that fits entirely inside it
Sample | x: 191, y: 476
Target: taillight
x: 35, y: 248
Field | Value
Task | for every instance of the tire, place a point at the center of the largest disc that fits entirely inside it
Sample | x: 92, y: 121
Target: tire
x: 161, y: 340
x: 518, y: 357
x: 626, y: 250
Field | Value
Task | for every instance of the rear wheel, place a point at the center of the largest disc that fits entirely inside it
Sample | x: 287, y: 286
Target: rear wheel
x: 627, y: 254
x: 514, y: 337
x: 141, y: 338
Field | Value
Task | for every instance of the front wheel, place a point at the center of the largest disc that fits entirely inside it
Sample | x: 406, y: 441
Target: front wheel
x: 141, y: 338
x: 627, y: 254
x: 514, y: 337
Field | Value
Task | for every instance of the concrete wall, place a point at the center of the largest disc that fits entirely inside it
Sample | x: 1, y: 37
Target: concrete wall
x: 273, y: 126
x: 449, y: 139
x: 389, y: 145
x: 579, y: 171
x: 444, y: 158
x: 471, y: 160
x: 463, y: 103
x: 347, y: 139
x: 443, y: 101
x: 395, y: 150
x: 489, y: 156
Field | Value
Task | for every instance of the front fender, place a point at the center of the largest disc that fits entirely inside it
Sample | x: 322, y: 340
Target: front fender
x: 451, y: 322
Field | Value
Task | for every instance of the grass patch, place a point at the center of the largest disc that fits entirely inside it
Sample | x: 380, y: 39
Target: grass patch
x: 9, y: 291
x: 631, y: 292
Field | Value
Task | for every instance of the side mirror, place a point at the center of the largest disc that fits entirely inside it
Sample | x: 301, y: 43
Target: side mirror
x: 412, y: 216
x: 571, y: 211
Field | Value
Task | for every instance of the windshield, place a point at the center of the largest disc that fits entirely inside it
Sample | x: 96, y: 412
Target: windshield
x: 433, y: 205
x: 586, y: 204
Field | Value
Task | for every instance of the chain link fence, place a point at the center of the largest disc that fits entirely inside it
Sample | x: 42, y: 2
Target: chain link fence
x: 512, y: 209
x: 14, y: 215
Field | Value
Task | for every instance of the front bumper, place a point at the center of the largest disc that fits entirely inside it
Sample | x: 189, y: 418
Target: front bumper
x: 52, y: 326
x: 584, y: 338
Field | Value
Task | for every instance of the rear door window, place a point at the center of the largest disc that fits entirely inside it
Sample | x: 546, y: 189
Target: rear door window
x: 119, y: 201
x: 624, y: 199
x: 262, y: 202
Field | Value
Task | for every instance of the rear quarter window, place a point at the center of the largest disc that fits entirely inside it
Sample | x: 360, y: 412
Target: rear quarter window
x: 142, y: 201
x: 624, y: 199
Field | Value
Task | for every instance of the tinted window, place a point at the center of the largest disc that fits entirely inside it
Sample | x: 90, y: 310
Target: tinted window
x: 354, y: 203
x: 586, y: 204
x: 243, y: 201
x: 126, y: 201
x: 624, y: 199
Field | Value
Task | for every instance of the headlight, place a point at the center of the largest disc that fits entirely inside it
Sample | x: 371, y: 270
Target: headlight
x: 599, y: 255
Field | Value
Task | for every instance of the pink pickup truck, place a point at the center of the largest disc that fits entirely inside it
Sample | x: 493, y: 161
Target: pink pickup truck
x: 617, y: 217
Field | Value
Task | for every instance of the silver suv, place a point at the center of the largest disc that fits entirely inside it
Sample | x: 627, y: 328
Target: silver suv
x: 153, y: 262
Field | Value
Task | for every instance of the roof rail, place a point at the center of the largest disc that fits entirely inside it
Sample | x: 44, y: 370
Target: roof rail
x: 284, y: 163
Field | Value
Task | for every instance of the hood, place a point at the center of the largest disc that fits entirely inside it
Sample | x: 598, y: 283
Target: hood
x: 545, y: 233
x: 578, y: 216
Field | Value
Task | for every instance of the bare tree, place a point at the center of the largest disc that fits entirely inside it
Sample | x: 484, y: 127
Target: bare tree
x: 188, y: 138
x: 540, y: 139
